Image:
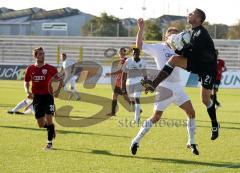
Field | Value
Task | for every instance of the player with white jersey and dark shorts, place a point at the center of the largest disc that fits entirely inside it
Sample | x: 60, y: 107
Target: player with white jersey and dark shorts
x: 135, y: 68
x: 41, y: 76
x: 69, y: 77
x: 168, y: 92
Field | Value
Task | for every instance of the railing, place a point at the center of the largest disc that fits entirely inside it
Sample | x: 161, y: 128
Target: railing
x: 18, y: 49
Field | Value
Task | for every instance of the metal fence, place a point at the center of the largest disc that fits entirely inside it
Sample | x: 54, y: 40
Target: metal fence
x: 18, y: 49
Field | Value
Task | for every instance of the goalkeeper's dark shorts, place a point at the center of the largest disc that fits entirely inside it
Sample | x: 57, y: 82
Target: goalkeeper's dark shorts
x: 207, y: 81
x: 205, y: 70
x: 201, y: 67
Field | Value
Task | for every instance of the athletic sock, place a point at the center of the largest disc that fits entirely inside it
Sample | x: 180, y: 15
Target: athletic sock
x: 216, y: 102
x: 132, y: 103
x: 191, y: 125
x: 114, y: 105
x: 212, y: 114
x: 144, y: 129
x: 163, y: 74
x: 49, y: 142
x: 50, y: 130
x: 20, y: 105
x: 28, y: 111
x: 214, y: 99
x: 32, y: 109
x: 137, y: 112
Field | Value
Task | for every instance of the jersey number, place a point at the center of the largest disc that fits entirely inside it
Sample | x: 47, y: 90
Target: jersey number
x: 51, y: 108
x: 208, y: 79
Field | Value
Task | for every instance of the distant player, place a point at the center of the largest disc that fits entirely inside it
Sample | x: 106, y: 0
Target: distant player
x: 119, y: 88
x: 135, y: 68
x: 221, y: 67
x: 26, y: 104
x: 70, y: 79
x: 168, y: 92
x: 40, y: 75
x: 198, y: 57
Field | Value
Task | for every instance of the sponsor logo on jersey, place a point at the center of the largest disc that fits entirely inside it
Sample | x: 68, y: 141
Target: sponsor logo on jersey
x: 168, y: 55
x: 38, y: 78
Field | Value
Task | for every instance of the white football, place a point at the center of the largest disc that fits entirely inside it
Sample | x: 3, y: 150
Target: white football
x: 177, y: 41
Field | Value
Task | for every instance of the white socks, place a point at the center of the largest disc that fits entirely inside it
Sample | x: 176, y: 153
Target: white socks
x: 144, y: 129
x: 29, y: 110
x: 137, y: 113
x: 20, y: 105
x: 191, y: 125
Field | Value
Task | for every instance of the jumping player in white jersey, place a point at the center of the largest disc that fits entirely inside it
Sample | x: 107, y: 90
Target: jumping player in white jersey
x: 69, y: 78
x: 169, y: 91
x: 135, y: 69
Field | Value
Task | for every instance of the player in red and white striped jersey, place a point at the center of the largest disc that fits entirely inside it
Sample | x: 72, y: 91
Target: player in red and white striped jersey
x: 120, y: 87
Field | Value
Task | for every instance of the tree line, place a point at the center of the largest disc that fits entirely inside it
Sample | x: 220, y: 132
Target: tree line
x: 111, y: 26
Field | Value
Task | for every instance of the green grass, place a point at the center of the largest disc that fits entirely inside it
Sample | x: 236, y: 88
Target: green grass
x: 104, y: 147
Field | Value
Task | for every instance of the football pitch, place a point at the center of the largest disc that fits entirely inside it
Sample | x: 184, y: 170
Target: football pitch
x: 103, y: 146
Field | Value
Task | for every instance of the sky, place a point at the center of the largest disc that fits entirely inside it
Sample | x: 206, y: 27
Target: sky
x: 226, y: 12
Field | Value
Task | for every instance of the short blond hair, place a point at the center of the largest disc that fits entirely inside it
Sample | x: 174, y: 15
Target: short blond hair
x: 170, y: 29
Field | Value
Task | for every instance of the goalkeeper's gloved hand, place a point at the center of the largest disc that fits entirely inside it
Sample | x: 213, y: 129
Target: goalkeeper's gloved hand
x: 148, y: 85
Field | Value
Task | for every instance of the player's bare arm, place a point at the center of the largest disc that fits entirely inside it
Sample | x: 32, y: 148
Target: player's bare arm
x: 139, y: 38
x: 60, y: 85
x: 27, y: 90
x: 114, y: 73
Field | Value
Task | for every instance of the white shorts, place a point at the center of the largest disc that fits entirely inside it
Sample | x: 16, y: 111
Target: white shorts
x: 167, y: 95
x: 134, y: 90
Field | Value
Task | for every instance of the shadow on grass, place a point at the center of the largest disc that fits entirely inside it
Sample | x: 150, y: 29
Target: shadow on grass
x: 7, y: 105
x: 221, y: 122
x: 165, y: 160
x: 229, y: 128
x: 205, y: 121
x: 65, y: 131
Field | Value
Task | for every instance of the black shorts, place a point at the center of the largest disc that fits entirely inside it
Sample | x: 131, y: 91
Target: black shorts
x: 119, y: 91
x: 205, y: 70
x: 216, y: 84
x: 43, y: 104
x: 207, y: 81
x: 201, y: 67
